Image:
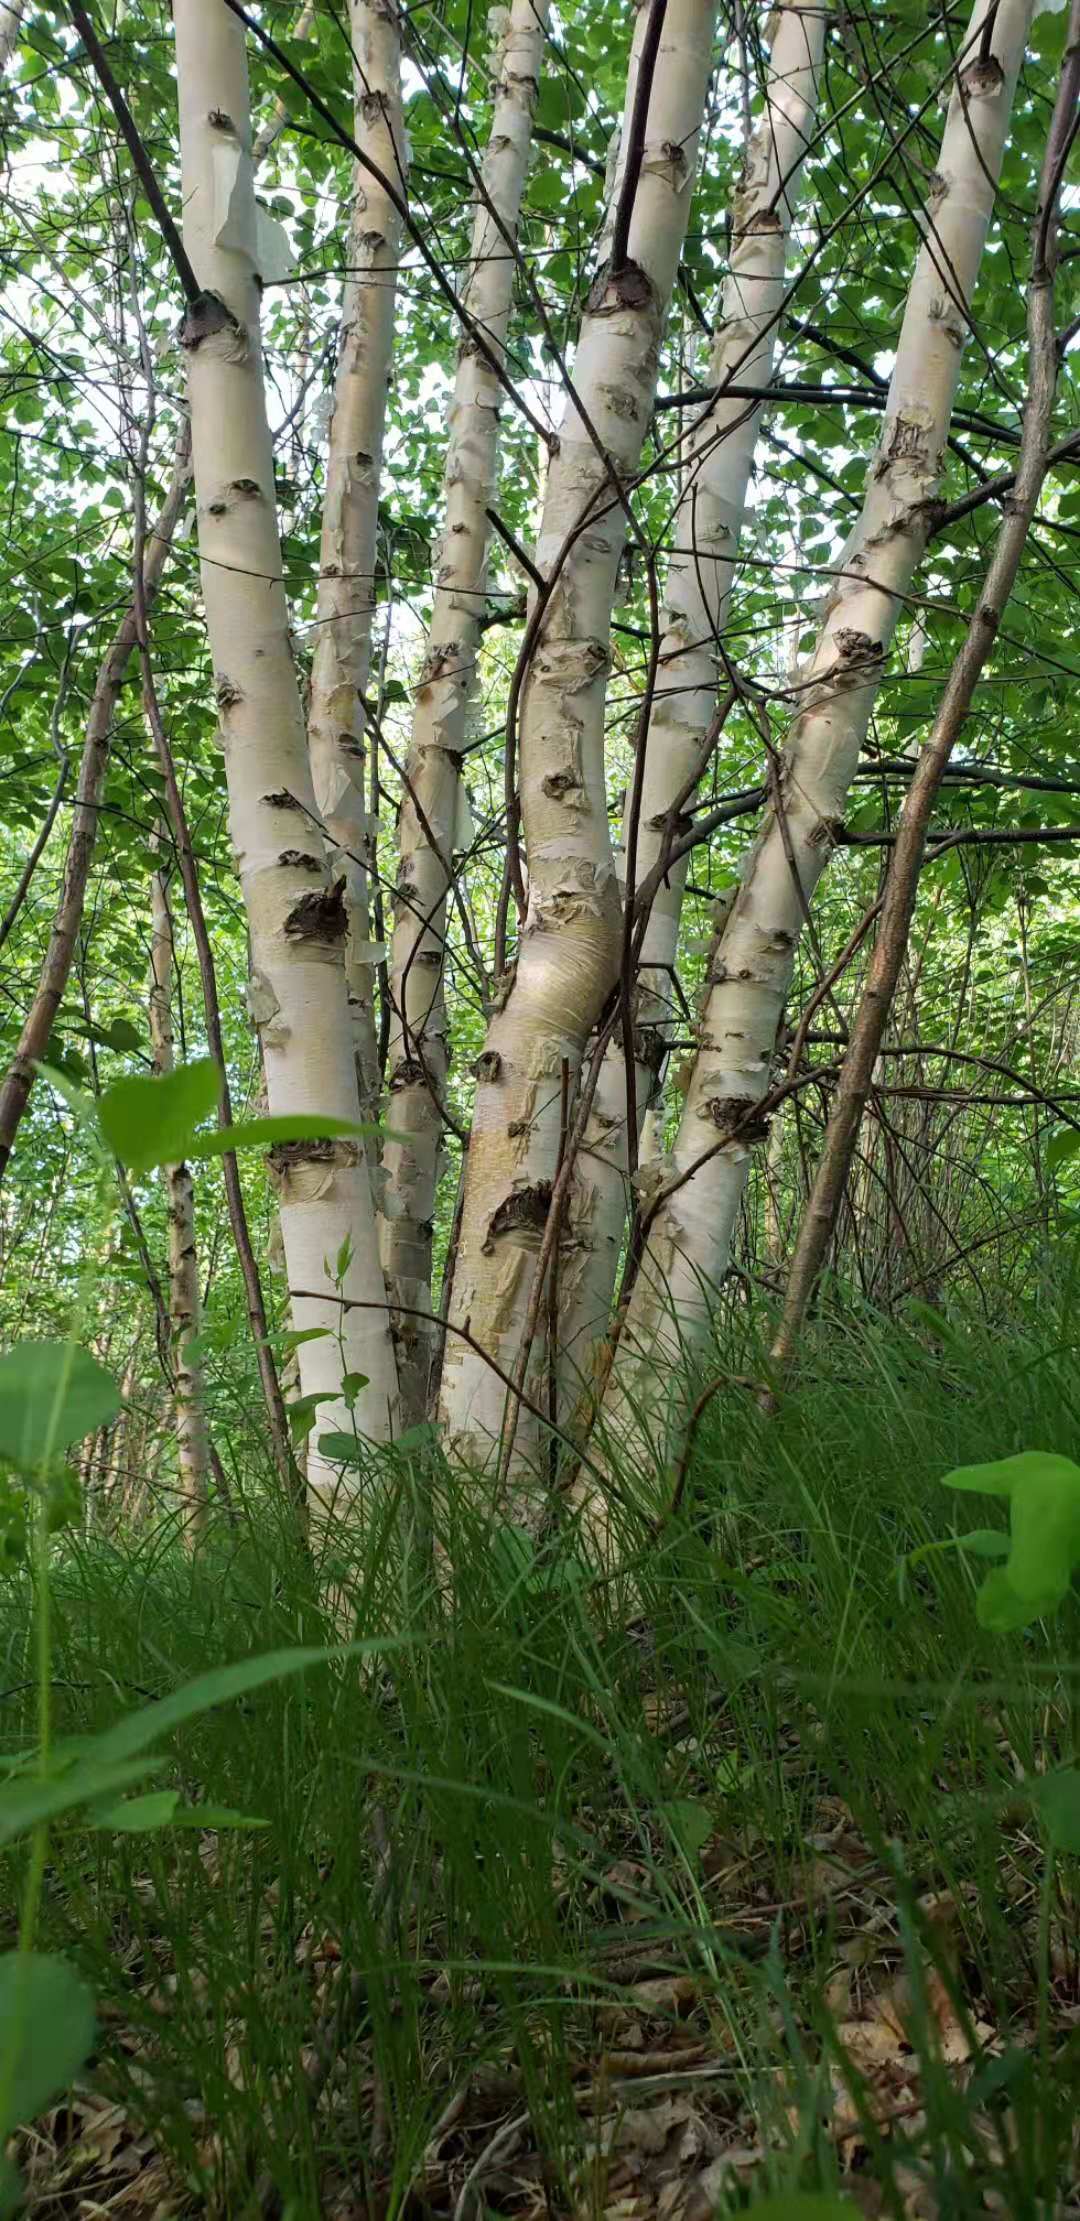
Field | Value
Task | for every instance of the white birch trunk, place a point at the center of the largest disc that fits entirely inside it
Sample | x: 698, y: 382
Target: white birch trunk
x: 568, y: 953
x: 689, y: 1240
x: 192, y: 1442
x: 418, y: 1050
x: 11, y: 20
x: 295, y: 913
x: 345, y: 605
x: 706, y: 527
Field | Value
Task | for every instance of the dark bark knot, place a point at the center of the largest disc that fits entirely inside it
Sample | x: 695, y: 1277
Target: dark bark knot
x: 228, y: 693
x: 737, y: 1116
x: 407, y: 1072
x: 612, y: 290
x: 319, y: 916
x: 488, y: 1065
x: 982, y: 77
x: 856, y: 651
x: 522, y: 1215
x: 281, y: 800
x: 288, y: 1156
x: 300, y: 860
x: 205, y: 316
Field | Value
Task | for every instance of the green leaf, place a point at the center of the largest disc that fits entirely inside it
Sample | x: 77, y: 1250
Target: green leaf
x: 1056, y: 1798
x: 691, y: 1824
x: 301, y: 1413
x: 137, y: 1815
x: 341, y: 1449
x: 1062, y: 1146
x: 121, y: 1034
x: 51, y: 1394
x: 985, y: 1542
x: 215, y: 1816
x: 1044, y: 1516
x: 419, y: 1437
x: 295, y: 1336
x: 24, y: 1802
x: 46, y: 2032
x: 263, y: 1133
x: 149, y: 1122
x: 161, y: 1808
x: 11, y: 2188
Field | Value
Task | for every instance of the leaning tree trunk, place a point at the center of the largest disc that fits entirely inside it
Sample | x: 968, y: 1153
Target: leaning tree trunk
x: 345, y: 604
x: 295, y: 912
x: 705, y: 535
x: 689, y: 1236
x: 902, y: 881
x: 568, y: 953
x: 192, y: 1442
x: 418, y: 1047
x: 85, y: 817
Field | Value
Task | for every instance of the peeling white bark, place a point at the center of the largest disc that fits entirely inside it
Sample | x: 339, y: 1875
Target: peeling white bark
x: 689, y: 1240
x: 429, y: 825
x: 705, y: 533
x: 296, y: 916
x: 345, y: 605
x: 192, y: 1444
x: 569, y: 946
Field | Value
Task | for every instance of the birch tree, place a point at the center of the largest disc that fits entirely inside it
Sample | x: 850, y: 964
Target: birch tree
x: 433, y: 788
x: 689, y: 1235
x: 345, y: 603
x: 192, y: 1445
x: 568, y: 952
x: 295, y: 911
x: 705, y: 535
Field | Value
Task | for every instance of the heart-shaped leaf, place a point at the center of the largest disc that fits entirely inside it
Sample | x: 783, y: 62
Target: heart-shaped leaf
x: 149, y: 1122
x: 46, y: 2032
x: 1056, y: 1798
x: 51, y: 1394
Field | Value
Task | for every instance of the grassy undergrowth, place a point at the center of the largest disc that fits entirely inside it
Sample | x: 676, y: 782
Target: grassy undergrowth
x: 595, y: 1897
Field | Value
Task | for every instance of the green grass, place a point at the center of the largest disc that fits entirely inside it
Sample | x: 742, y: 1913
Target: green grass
x: 788, y: 1774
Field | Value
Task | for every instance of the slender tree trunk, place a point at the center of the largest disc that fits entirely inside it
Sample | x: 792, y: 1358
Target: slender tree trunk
x: 568, y: 954
x: 295, y: 911
x: 192, y: 1442
x: 11, y: 19
x: 418, y: 1048
x: 59, y: 955
x: 705, y: 533
x: 345, y: 604
x: 689, y: 1236
x: 901, y: 886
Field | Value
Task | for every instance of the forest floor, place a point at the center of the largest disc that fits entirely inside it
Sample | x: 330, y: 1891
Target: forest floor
x: 647, y: 1896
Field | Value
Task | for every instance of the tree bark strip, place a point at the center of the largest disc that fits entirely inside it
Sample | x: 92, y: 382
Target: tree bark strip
x: 429, y: 828
x: 568, y: 955
x: 345, y: 604
x: 192, y: 1442
x: 901, y: 885
x: 705, y: 535
x: 689, y: 1236
x: 296, y: 915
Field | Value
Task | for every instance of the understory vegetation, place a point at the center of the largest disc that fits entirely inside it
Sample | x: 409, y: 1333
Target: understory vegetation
x: 608, y: 1895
